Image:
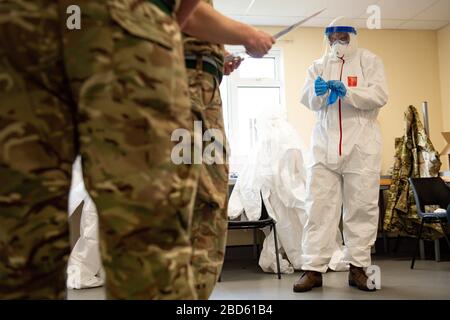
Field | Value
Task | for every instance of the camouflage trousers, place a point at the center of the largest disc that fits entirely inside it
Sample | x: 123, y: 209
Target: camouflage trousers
x: 210, y: 221
x: 113, y: 91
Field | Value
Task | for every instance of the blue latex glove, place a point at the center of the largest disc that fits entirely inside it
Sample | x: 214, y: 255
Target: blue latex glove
x: 320, y: 86
x: 338, y: 89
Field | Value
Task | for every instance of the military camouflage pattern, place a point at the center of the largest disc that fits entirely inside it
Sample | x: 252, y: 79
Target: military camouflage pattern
x: 113, y: 91
x: 415, y: 157
x: 194, y: 46
x: 210, y: 220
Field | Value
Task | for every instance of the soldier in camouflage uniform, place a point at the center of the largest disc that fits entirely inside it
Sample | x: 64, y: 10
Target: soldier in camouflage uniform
x: 205, y: 64
x: 113, y: 91
x: 415, y: 157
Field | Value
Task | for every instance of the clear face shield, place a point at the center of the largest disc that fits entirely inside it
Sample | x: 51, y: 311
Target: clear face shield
x: 340, y: 40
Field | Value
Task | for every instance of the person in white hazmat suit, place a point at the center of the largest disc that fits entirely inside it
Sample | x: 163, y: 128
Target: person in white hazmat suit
x: 275, y: 171
x: 346, y: 88
x: 84, y: 267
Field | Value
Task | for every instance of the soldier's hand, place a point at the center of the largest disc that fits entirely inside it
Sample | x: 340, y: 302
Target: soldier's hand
x: 232, y: 65
x: 259, y: 43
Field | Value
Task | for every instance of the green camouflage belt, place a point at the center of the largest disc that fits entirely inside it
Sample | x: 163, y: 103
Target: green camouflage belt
x: 209, y: 65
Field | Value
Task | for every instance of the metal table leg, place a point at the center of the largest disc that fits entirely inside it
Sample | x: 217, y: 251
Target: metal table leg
x: 422, y: 250
x: 437, y: 250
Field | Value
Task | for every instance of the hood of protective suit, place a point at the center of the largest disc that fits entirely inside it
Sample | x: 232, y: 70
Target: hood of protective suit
x: 338, y: 49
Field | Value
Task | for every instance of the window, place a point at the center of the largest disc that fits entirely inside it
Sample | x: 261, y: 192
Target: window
x: 255, y: 88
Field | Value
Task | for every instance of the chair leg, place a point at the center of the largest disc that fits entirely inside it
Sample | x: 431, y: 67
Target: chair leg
x: 437, y: 250
x: 417, y: 245
x: 276, y: 251
x: 445, y: 234
x: 422, y: 250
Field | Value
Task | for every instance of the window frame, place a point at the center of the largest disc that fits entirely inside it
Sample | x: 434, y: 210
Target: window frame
x: 234, y: 82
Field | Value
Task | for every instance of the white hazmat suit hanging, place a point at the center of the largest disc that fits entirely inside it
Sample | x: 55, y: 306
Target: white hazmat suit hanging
x: 84, y: 266
x: 345, y: 153
x: 275, y: 171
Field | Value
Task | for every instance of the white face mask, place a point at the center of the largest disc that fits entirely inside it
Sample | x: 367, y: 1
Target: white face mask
x: 339, y: 49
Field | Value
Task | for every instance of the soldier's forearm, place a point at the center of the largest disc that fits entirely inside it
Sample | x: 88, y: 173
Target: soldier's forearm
x: 208, y: 24
x: 185, y: 10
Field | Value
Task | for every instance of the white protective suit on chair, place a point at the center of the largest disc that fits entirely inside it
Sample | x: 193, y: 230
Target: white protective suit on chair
x: 346, y: 154
x: 275, y: 170
x: 84, y: 266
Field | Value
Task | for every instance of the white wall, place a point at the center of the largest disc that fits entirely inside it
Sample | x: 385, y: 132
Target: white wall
x: 444, y: 72
x: 417, y: 66
x: 412, y: 69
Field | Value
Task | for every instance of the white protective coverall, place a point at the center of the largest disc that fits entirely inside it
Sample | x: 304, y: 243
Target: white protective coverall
x: 276, y: 171
x: 84, y: 264
x: 345, y: 162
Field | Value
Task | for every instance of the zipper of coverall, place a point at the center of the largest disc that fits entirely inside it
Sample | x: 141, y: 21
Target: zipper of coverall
x: 340, y: 111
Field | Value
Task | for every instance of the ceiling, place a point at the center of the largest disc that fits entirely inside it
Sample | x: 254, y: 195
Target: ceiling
x: 395, y: 14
